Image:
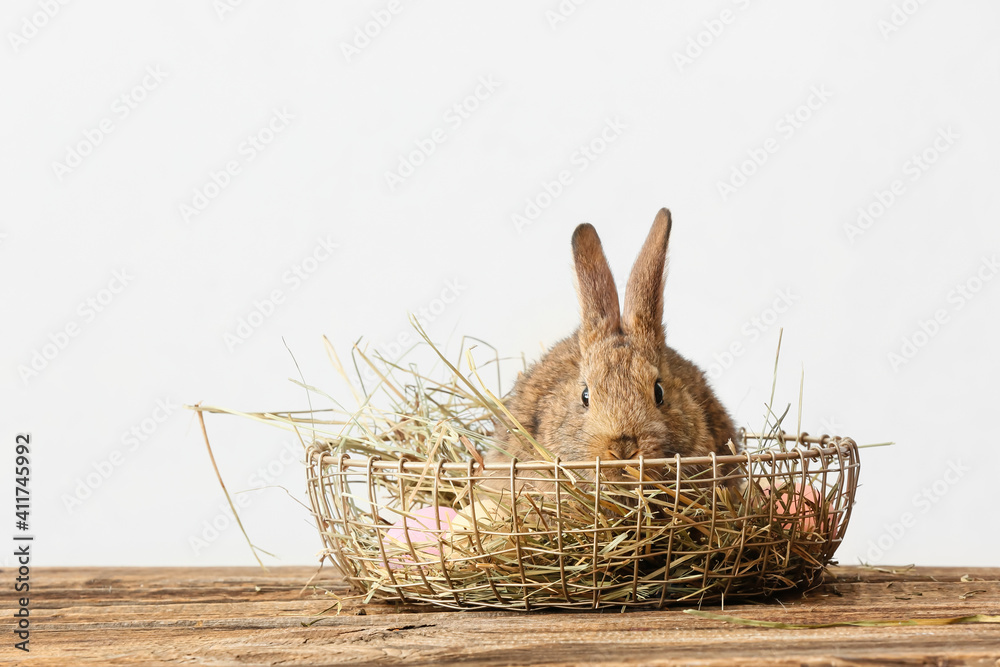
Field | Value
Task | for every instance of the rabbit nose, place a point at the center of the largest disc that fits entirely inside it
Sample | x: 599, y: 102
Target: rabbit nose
x: 624, y: 447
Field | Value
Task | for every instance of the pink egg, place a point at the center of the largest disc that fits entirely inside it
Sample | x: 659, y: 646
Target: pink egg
x: 801, y: 500
x: 422, y: 529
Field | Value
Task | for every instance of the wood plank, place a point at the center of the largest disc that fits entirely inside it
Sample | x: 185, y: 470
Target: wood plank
x: 245, y: 616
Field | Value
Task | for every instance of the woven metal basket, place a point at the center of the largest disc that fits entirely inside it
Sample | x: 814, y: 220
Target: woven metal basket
x: 585, y: 534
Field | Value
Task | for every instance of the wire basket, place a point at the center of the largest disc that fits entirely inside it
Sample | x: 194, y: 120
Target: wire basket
x: 532, y: 535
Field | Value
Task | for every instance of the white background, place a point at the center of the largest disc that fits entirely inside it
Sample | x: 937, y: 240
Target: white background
x: 893, y: 78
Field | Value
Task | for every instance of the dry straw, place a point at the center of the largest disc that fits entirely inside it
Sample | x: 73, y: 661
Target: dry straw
x: 543, y: 534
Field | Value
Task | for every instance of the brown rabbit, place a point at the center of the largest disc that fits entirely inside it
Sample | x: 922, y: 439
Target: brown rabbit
x: 613, y: 389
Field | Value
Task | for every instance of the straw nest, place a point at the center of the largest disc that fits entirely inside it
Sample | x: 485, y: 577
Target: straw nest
x: 408, y: 510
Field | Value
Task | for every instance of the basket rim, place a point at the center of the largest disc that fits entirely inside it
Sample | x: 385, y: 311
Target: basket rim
x: 834, y: 445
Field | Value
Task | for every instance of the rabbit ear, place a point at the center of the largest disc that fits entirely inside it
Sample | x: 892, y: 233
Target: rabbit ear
x: 643, y: 314
x: 595, y: 286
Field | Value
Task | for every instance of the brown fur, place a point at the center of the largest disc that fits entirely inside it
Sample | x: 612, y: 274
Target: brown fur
x: 618, y: 357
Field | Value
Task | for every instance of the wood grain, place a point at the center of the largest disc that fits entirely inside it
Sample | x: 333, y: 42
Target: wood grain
x: 245, y: 616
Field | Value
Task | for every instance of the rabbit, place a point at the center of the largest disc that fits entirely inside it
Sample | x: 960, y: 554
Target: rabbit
x: 613, y: 388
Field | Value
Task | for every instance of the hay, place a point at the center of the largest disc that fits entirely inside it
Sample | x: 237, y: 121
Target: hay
x: 548, y: 533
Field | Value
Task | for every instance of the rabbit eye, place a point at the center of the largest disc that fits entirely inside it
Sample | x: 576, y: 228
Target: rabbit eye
x: 586, y: 397
x: 658, y: 393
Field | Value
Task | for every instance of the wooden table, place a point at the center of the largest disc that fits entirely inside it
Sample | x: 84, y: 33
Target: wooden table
x: 245, y: 616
